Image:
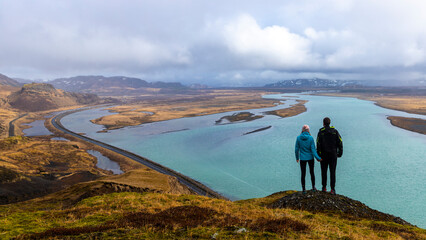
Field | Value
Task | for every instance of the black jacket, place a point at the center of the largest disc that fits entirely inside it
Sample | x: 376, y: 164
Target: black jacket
x: 329, y: 142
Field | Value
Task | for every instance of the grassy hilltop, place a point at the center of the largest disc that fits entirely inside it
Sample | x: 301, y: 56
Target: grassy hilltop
x: 164, y: 216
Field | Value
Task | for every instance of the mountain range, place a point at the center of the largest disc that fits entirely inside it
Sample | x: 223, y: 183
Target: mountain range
x: 327, y: 83
x: 112, y: 85
x: 4, y: 80
x: 314, y: 82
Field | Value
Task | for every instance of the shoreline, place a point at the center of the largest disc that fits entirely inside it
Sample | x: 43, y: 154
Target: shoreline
x: 194, y: 185
x: 411, y: 124
x: 377, y: 101
x: 291, y: 111
x: 391, y: 102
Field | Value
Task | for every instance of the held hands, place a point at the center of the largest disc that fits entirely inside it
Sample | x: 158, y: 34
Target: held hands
x: 320, y: 160
x: 297, y: 160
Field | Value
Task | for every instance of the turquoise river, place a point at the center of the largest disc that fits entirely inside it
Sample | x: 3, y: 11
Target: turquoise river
x: 382, y: 166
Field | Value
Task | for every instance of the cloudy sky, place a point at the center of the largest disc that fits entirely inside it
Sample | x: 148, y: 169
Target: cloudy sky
x: 216, y: 42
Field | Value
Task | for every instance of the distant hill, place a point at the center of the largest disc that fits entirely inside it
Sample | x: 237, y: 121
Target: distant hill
x: 4, y: 80
x: 326, y: 83
x: 111, y: 85
x: 41, y: 96
x: 312, y: 83
x: 25, y: 81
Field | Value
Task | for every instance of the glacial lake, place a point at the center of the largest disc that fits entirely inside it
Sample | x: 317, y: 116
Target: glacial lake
x: 382, y: 166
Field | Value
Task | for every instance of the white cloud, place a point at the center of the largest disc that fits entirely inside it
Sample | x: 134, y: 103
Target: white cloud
x: 271, y: 47
x: 50, y: 45
x: 238, y: 76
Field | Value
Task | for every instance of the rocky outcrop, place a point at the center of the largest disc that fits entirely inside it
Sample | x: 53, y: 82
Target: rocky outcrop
x: 325, y: 202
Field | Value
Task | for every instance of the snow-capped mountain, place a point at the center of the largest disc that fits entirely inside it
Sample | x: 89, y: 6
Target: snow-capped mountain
x: 312, y: 83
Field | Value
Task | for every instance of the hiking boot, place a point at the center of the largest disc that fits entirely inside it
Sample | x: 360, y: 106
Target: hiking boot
x: 333, y: 191
x: 304, y: 192
x: 314, y: 189
x: 324, y: 189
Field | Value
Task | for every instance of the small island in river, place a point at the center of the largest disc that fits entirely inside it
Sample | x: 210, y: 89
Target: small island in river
x: 237, y: 117
x: 203, y: 103
x: 412, y: 124
x: 294, y: 110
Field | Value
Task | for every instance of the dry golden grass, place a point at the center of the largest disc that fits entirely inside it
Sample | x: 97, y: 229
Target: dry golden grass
x: 6, y: 90
x: 34, y: 157
x: 179, y: 106
x: 413, y: 104
x: 6, y: 115
x: 294, y: 110
x: 165, y: 216
x: 148, y: 178
x: 410, y: 104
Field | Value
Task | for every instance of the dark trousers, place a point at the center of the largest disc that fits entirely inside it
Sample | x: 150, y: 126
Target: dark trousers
x: 328, y: 160
x: 311, y: 171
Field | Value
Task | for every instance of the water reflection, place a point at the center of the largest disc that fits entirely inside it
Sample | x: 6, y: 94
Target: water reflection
x: 59, y: 139
x: 105, y: 163
x: 37, y: 129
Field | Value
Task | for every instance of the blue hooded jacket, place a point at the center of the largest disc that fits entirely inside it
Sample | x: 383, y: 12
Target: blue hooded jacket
x: 305, y: 146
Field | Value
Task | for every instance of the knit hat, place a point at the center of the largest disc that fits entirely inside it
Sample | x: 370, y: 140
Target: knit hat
x: 305, y: 128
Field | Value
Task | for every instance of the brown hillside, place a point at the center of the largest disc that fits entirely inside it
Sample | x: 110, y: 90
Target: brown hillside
x: 32, y: 168
x: 41, y: 96
x: 4, y: 80
x: 6, y: 90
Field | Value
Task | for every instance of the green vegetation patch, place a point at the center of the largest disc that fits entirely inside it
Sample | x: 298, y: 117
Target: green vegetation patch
x: 15, y: 224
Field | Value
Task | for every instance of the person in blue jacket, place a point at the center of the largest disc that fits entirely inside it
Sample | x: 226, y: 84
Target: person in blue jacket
x: 305, y: 152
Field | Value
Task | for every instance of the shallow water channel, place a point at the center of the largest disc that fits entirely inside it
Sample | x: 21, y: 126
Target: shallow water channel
x: 105, y: 163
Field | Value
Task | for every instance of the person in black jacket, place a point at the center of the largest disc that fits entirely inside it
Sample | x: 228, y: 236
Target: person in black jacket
x: 329, y: 148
